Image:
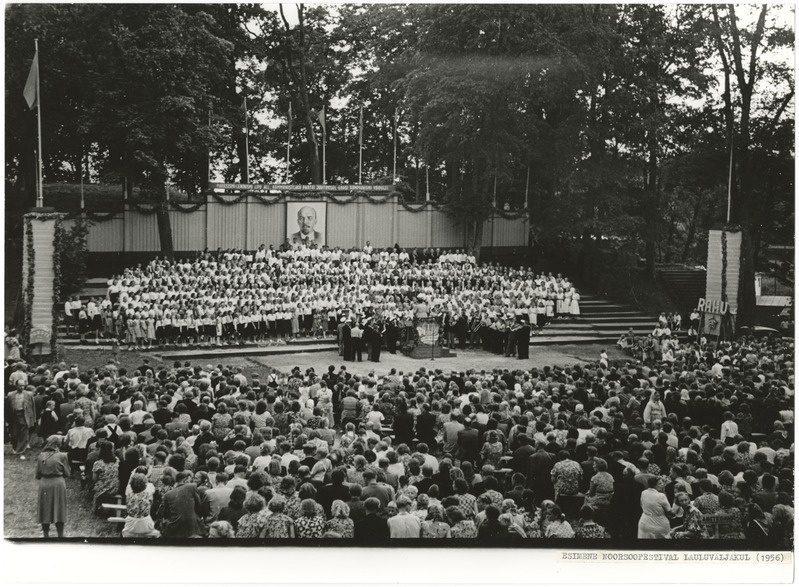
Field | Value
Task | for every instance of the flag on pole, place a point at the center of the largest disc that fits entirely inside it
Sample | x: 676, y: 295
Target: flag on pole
x: 360, y: 127
x: 396, y: 119
x: 320, y: 116
x: 31, y: 92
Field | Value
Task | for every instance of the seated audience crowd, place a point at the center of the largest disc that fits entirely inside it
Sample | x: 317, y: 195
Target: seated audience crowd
x: 700, y: 447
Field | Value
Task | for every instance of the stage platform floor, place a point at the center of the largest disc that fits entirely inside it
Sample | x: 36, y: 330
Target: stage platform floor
x: 465, y: 359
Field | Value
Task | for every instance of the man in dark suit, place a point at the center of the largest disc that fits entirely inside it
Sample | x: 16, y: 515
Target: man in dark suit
x: 426, y: 427
x: 523, y: 340
x: 333, y: 491
x: 348, y: 351
x: 371, y: 527
x: 469, y: 441
x: 403, y: 427
x: 183, y: 508
x: 162, y: 415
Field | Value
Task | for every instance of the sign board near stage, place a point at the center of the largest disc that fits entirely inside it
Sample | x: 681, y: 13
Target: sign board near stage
x: 717, y: 318
x: 285, y: 187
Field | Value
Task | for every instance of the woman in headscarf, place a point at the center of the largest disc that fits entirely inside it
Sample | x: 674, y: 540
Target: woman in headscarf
x: 435, y: 526
x: 654, y: 410
x: 340, y: 525
x: 52, y: 466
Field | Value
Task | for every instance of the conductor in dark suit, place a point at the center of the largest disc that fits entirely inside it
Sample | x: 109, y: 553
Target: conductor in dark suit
x: 307, y: 234
x: 523, y: 340
x: 346, y: 341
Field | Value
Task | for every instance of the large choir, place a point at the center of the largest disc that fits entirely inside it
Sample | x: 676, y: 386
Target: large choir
x: 271, y: 295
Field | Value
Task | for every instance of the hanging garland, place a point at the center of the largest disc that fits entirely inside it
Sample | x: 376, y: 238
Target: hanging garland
x: 27, y: 320
x: 723, y: 265
x: 92, y: 215
x: 229, y: 202
x: 144, y: 209
x: 186, y: 208
x: 515, y: 215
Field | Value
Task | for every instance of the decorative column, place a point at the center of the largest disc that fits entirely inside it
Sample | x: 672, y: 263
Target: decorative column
x: 41, y: 281
x: 724, y: 265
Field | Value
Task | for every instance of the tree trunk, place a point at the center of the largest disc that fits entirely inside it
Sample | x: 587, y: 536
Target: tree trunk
x: 689, y: 238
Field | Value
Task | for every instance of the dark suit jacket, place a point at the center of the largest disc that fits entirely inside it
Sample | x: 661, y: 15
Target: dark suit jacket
x: 371, y: 527
x: 183, y: 508
x: 425, y: 428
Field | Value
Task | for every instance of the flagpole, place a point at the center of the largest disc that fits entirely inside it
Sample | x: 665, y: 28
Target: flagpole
x: 527, y: 190
x: 288, y: 147
x: 427, y: 181
x: 394, y: 177
x: 729, y: 182
x: 495, y: 189
x: 40, y: 196
x: 360, y: 150
x: 324, y: 155
x: 246, y: 143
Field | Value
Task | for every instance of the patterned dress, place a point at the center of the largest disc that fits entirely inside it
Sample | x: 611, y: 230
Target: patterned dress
x: 106, y: 478
x: 601, y: 490
x: 567, y: 477
x: 559, y: 529
x: 251, y: 525
x: 433, y: 529
x: 278, y: 526
x: 464, y: 529
x: 467, y: 504
x: 310, y: 527
x: 590, y: 530
x: 344, y: 527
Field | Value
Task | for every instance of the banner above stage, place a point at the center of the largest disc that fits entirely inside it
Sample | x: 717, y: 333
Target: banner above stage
x: 285, y: 187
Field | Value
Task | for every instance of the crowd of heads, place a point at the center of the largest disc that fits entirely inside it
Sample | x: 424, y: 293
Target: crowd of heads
x: 531, y: 453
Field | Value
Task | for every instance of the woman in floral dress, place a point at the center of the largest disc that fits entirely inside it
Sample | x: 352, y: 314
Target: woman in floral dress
x: 600, y: 491
x: 278, y: 525
x: 309, y: 524
x: 435, y: 526
x: 341, y: 525
x: 588, y: 528
x: 139, y: 523
x: 558, y: 526
x: 252, y: 524
x: 460, y: 527
x: 221, y: 422
x: 692, y: 526
x: 492, y: 450
x: 105, y: 475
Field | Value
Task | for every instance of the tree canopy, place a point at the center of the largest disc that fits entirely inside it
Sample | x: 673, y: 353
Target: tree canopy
x: 613, y: 123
